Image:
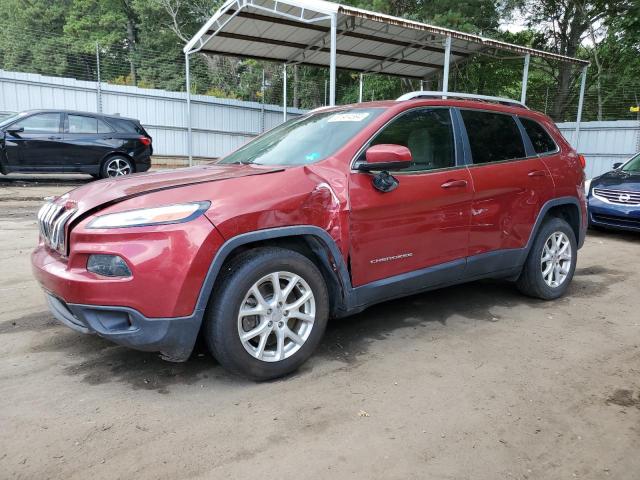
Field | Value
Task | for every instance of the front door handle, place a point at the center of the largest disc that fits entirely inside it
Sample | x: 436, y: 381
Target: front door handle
x: 54, y: 138
x: 454, y: 184
x: 538, y: 173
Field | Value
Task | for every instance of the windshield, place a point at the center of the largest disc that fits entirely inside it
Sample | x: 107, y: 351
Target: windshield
x: 305, y: 140
x: 9, y: 119
x: 633, y: 165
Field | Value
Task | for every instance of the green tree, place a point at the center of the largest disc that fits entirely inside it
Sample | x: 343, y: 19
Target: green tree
x: 565, y: 25
x: 111, y: 24
x: 24, y: 22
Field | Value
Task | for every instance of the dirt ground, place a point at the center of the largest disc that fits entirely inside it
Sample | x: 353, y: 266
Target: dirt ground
x: 470, y: 382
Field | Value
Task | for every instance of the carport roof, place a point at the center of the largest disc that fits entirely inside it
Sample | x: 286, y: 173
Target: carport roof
x: 299, y: 32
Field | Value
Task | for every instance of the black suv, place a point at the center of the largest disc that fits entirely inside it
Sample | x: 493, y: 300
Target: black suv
x: 73, y: 142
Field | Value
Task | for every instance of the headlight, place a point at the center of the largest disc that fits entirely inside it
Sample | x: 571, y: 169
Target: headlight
x: 587, y: 185
x: 178, y: 213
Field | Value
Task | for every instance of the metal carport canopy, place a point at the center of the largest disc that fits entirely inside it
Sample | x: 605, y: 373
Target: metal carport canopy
x: 326, y: 34
x: 299, y: 31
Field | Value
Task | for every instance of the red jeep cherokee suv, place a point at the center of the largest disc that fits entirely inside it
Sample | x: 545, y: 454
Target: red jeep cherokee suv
x: 320, y: 217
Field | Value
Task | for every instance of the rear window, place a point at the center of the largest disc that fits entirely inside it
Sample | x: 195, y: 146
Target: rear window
x: 540, y: 139
x: 493, y: 137
x: 127, y: 126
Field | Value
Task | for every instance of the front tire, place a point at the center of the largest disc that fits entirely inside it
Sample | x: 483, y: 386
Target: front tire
x: 268, y: 313
x: 551, y: 262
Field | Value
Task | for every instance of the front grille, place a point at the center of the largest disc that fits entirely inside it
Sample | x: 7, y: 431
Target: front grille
x: 619, y: 197
x: 614, y: 220
x: 52, y: 220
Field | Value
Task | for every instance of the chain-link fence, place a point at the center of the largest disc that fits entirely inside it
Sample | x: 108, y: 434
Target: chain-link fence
x: 553, y: 88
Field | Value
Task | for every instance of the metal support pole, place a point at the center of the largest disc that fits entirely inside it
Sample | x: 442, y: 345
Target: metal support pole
x: 189, y: 132
x: 284, y: 93
x: 325, y: 92
x: 99, y: 85
x: 361, y: 88
x: 263, y: 92
x: 525, y: 78
x: 447, y: 58
x: 422, y: 85
x: 332, y: 60
x: 583, y: 85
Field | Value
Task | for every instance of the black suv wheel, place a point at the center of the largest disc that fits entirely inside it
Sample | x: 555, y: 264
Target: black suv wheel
x: 116, y: 166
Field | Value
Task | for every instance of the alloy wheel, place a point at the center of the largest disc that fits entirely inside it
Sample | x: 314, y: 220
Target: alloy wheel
x: 556, y: 259
x: 117, y: 167
x: 276, y: 316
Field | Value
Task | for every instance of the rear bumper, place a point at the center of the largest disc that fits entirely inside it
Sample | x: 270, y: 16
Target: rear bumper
x: 620, y: 217
x: 143, y: 164
x: 172, y: 337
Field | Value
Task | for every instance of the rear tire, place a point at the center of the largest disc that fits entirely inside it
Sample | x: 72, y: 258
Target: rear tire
x: 260, y: 331
x: 551, y: 262
x: 116, y: 166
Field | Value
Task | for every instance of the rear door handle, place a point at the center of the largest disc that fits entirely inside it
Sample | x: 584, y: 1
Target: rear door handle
x: 54, y: 138
x: 538, y: 173
x: 454, y: 184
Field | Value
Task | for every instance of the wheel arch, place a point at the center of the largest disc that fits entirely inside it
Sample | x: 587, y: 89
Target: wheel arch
x: 312, y: 242
x: 565, y: 208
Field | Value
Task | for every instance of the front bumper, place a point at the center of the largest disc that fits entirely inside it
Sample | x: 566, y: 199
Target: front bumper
x: 607, y: 215
x: 172, y: 337
x: 157, y: 308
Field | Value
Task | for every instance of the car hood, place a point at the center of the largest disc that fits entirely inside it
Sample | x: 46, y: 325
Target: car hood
x: 113, y: 190
x: 618, y: 180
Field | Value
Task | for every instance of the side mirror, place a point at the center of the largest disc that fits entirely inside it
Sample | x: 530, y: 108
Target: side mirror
x: 386, y: 157
x: 15, y: 130
x: 617, y: 165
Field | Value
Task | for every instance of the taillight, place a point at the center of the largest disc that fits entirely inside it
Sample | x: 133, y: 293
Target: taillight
x: 145, y: 141
x: 583, y: 161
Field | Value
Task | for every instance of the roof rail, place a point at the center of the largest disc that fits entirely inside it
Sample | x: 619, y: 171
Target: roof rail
x: 465, y: 96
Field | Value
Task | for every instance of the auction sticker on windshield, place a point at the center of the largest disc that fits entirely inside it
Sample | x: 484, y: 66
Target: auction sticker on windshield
x: 348, y: 117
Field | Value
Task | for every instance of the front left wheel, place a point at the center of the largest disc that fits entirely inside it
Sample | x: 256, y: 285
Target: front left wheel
x: 268, y: 313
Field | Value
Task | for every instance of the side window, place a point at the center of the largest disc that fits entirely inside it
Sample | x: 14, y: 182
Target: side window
x: 541, y: 140
x: 127, y: 126
x: 493, y: 137
x: 40, y: 123
x: 82, y: 124
x: 427, y: 133
x: 103, y: 127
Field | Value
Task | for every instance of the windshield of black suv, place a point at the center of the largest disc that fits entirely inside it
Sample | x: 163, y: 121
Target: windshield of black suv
x: 10, y: 119
x: 633, y: 165
x: 305, y: 140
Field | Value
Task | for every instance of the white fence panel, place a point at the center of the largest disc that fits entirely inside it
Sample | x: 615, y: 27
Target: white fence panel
x: 604, y: 143
x: 219, y: 125
x: 222, y: 125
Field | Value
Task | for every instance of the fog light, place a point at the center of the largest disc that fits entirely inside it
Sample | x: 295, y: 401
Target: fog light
x: 108, y: 266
